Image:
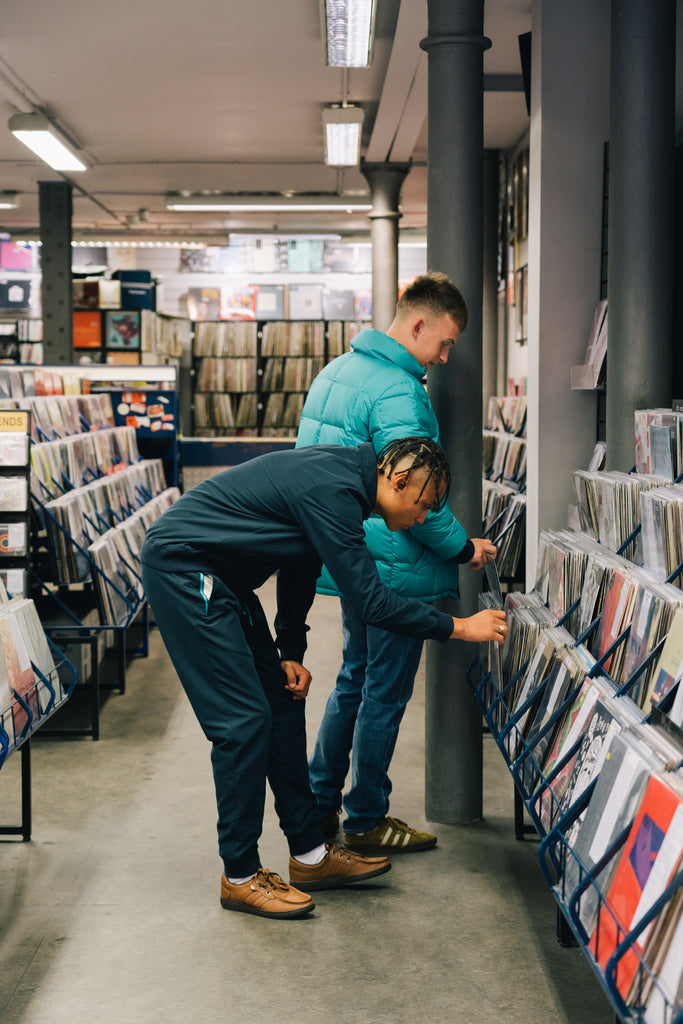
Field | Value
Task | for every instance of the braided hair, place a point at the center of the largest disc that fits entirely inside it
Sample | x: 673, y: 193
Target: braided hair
x: 424, y: 454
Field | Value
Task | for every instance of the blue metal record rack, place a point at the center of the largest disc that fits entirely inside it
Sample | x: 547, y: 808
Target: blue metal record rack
x: 532, y: 788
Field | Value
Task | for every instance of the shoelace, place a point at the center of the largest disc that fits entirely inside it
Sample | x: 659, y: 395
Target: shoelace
x: 270, y: 880
x: 401, y: 826
x: 337, y: 851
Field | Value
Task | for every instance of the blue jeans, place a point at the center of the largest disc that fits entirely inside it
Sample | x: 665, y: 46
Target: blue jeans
x: 363, y: 714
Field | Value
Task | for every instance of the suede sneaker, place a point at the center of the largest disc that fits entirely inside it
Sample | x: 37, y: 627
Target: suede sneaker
x: 267, y: 895
x: 390, y: 836
x: 338, y: 867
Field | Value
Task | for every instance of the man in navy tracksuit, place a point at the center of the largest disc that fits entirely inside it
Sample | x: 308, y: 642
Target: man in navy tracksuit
x: 284, y: 512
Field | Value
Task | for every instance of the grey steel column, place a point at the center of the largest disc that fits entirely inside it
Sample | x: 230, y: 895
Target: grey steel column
x: 55, y: 256
x: 490, y: 368
x: 455, y: 47
x: 385, y: 182
x: 641, y: 217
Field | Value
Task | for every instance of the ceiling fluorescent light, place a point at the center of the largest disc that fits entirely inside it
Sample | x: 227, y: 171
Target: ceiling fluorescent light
x: 348, y: 31
x: 41, y: 136
x: 341, y: 128
x: 268, y: 204
x: 9, y: 201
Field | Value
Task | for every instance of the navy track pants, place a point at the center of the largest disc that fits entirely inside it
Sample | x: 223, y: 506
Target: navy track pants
x: 229, y: 666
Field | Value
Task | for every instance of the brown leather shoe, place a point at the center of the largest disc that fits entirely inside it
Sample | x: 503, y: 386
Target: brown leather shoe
x: 339, y: 867
x: 267, y: 895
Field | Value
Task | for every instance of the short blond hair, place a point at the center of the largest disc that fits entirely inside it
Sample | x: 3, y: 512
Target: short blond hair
x: 434, y: 292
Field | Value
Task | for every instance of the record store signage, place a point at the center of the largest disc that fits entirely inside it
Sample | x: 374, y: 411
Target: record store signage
x: 14, y: 420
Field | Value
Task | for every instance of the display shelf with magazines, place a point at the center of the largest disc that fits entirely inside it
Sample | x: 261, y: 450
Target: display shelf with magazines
x: 580, y: 702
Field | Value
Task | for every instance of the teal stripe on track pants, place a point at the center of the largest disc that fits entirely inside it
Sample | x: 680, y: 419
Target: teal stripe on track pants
x: 228, y: 664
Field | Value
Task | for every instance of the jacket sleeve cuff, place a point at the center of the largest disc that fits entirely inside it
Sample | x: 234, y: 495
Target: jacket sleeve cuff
x: 292, y: 644
x: 467, y: 553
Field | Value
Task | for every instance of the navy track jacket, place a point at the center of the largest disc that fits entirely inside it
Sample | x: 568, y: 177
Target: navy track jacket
x: 286, y: 512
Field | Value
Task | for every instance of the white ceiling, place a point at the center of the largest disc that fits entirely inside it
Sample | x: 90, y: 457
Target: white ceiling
x: 223, y: 97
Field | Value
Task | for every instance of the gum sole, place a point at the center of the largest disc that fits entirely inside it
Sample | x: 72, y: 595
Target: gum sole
x: 337, y: 883
x: 389, y: 851
x: 247, y: 908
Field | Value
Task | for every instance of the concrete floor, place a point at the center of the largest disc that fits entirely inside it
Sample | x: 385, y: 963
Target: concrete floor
x: 110, y: 915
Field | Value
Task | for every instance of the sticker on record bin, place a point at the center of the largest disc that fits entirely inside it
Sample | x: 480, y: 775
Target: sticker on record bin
x: 123, y: 408
x: 132, y: 421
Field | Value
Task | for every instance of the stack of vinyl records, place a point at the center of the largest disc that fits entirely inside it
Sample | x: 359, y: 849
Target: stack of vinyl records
x: 489, y: 445
x: 247, y: 411
x: 116, y: 556
x: 643, y: 868
x: 527, y: 617
x: 227, y: 338
x: 282, y: 413
x: 75, y: 519
x: 76, y: 460
x: 663, y: 688
x: 23, y: 645
x: 509, y: 534
x: 594, y: 716
x: 495, y: 499
x: 507, y: 414
x: 662, y: 530
x: 13, y: 494
x: 635, y: 752
x: 548, y: 645
x: 351, y: 330
x: 507, y: 453
x: 654, y: 609
x: 301, y: 338
x: 339, y: 335
x: 57, y: 416
x: 174, y: 335
x: 659, y: 442
x: 609, y: 506
x: 226, y: 374
x: 555, y: 673
x: 561, y: 567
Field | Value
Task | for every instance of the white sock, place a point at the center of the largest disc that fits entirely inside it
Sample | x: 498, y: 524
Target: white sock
x: 315, y: 856
x: 240, y: 881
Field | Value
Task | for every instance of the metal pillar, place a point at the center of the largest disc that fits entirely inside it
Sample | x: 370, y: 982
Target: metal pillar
x: 641, y: 217
x: 490, y: 368
x: 55, y: 233
x: 385, y: 182
x: 678, y: 279
x: 455, y: 46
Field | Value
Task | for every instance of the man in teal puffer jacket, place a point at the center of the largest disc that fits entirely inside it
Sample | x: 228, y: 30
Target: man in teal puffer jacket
x: 376, y: 393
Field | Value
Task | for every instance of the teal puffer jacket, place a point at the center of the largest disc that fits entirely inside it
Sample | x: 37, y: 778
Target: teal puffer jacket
x: 375, y: 393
